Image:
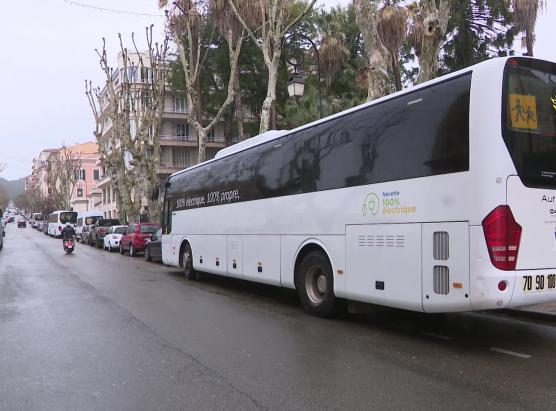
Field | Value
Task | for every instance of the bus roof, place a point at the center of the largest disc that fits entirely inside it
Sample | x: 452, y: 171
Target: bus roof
x: 275, y: 134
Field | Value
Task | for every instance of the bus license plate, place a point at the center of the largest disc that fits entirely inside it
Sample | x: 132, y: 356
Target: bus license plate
x: 539, y: 283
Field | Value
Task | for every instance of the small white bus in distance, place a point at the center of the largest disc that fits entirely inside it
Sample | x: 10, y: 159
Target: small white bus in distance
x: 438, y: 198
x: 58, y: 219
x: 36, y: 218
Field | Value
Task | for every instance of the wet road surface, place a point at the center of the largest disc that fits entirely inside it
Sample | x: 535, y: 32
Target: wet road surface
x: 97, y: 330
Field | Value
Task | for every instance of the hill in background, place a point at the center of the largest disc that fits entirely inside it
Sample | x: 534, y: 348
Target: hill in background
x: 14, y: 187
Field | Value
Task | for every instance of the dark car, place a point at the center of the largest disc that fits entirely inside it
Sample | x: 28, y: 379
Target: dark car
x: 153, y: 248
x: 97, y: 233
x: 21, y: 223
x: 134, y: 240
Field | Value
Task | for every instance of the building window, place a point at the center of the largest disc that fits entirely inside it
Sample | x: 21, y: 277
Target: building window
x: 179, y: 104
x: 79, y: 192
x: 146, y: 74
x: 181, y: 158
x: 96, y: 175
x: 104, y: 196
x: 182, y: 131
x: 108, y: 196
x: 149, y: 153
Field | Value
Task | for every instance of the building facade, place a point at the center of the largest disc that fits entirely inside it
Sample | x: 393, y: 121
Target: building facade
x: 88, y: 175
x: 177, y: 138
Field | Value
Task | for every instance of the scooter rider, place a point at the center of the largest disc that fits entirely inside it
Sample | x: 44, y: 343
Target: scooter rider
x: 68, y: 233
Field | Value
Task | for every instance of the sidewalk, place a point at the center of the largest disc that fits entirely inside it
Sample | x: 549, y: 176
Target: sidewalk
x: 546, y: 311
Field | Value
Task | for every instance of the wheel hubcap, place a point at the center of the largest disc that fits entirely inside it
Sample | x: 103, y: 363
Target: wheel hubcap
x: 316, y: 285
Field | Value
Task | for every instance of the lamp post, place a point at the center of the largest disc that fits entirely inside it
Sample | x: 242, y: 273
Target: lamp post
x: 296, y: 83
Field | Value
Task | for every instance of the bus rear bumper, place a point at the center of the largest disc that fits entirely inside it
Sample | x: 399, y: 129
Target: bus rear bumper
x: 533, y: 287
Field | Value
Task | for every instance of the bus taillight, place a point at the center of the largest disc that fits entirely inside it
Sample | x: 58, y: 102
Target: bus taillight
x: 502, y: 235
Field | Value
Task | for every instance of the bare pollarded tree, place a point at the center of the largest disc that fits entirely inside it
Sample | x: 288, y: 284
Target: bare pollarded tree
x: 128, y: 115
x: 62, y: 172
x: 377, y: 80
x: 267, y: 22
x: 428, y: 30
x: 187, y: 19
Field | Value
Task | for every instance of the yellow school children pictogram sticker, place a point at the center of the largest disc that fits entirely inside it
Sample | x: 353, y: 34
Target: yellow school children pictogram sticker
x: 523, y: 111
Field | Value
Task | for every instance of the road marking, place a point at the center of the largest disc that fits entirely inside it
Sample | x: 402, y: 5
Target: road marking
x: 512, y: 353
x: 442, y: 337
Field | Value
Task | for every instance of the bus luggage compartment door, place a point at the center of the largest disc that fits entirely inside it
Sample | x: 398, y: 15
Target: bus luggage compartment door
x: 445, y: 274
x: 383, y: 264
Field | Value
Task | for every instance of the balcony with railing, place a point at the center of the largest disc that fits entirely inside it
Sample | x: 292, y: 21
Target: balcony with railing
x: 175, y: 112
x: 166, y: 167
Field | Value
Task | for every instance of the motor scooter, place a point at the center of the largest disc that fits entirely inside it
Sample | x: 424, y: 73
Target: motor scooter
x: 69, y: 245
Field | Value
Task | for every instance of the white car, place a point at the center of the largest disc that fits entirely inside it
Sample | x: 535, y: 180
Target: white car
x: 113, y: 236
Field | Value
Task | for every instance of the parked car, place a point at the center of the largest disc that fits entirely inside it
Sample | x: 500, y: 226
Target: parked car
x: 153, y: 247
x: 113, y: 237
x: 21, y: 223
x: 40, y: 225
x: 85, y: 222
x: 96, y: 235
x: 134, y: 239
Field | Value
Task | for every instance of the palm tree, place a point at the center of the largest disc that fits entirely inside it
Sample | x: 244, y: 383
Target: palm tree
x: 333, y: 51
x: 392, y: 30
x: 525, y: 16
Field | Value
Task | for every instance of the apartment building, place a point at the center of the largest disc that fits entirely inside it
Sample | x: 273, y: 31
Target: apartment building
x: 88, y: 175
x: 39, y: 179
x: 178, y: 140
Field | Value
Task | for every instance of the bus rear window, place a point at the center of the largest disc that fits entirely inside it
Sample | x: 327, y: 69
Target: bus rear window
x: 529, y: 120
x: 92, y: 220
x: 68, y: 217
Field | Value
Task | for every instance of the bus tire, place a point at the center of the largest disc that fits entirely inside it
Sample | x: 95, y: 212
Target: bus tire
x: 315, y: 284
x: 187, y: 263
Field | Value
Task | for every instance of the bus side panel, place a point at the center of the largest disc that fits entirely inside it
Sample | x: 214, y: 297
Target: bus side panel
x: 384, y: 264
x: 262, y: 258
x: 210, y: 253
x: 445, y: 267
x: 235, y: 256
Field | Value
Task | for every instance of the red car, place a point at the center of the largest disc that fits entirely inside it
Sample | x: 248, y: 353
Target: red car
x: 134, y: 238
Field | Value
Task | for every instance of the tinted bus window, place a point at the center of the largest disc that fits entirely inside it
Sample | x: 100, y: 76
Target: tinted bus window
x: 529, y: 120
x: 421, y: 134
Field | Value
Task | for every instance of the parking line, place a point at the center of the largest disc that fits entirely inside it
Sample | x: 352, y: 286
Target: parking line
x: 512, y: 353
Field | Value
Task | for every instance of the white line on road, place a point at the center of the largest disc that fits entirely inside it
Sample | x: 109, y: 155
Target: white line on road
x: 442, y: 337
x: 512, y: 353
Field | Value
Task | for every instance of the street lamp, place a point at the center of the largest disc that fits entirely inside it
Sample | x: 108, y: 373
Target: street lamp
x: 296, y: 83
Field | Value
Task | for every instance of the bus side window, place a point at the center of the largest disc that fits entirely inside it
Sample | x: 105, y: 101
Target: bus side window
x: 167, y: 217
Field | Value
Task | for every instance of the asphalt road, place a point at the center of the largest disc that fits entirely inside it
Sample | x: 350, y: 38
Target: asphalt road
x: 95, y: 330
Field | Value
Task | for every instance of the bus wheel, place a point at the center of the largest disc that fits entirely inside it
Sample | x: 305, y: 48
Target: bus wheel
x: 315, y: 285
x: 187, y: 263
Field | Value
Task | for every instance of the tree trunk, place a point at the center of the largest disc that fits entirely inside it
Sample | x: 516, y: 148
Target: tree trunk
x: 268, y: 102
x: 529, y: 41
x: 228, y: 127
x: 397, y: 72
x: 238, y: 106
x: 202, y: 140
x: 366, y: 12
x: 435, y: 23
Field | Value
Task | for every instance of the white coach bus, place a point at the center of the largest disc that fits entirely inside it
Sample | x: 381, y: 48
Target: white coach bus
x: 437, y: 198
x: 58, y: 219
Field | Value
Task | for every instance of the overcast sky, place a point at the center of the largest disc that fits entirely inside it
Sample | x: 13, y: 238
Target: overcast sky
x: 48, y: 51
